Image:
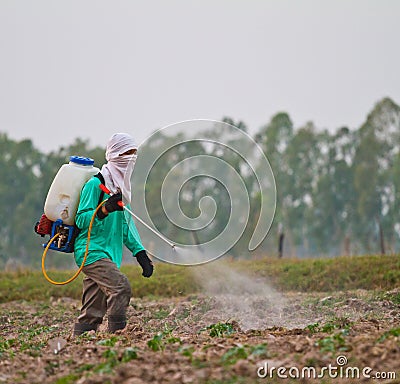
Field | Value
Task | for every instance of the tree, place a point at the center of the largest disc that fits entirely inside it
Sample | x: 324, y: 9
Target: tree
x: 274, y: 139
x: 333, y: 195
x: 379, y: 143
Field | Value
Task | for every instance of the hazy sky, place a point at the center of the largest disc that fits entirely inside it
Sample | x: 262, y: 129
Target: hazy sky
x: 91, y: 68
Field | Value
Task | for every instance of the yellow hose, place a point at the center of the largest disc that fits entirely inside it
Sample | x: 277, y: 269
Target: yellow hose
x: 84, y: 257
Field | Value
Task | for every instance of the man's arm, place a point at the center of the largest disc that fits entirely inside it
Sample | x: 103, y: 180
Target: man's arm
x: 87, y: 204
x: 131, y: 235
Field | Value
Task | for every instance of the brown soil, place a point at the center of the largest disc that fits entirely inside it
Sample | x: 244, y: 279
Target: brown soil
x: 204, y: 339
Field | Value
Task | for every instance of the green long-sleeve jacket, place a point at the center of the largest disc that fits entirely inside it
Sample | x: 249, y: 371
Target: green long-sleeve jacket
x: 108, y: 235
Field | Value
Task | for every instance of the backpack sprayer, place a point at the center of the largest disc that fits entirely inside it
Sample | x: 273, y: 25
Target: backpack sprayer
x: 61, y: 205
x: 58, y: 220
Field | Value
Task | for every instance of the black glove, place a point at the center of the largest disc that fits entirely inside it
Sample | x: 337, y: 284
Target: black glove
x: 145, y: 263
x: 112, y: 203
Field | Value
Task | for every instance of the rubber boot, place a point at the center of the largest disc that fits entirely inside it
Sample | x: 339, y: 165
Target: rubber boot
x: 116, y: 323
x: 80, y: 328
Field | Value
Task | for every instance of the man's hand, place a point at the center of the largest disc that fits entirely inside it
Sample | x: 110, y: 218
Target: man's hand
x: 112, y: 205
x: 145, y: 263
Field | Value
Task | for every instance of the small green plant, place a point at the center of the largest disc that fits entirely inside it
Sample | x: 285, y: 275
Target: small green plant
x: 187, y: 350
x: 259, y: 350
x: 50, y: 367
x: 159, y: 340
x: 342, y: 322
x: 69, y: 379
x: 111, y: 357
x: 327, y: 327
x: 129, y: 354
x: 239, y: 352
x: 161, y: 314
x: 6, y: 345
x: 184, y: 314
x: 173, y: 340
x: 108, y: 342
x: 313, y: 328
x: 110, y: 354
x: 85, y: 336
x: 394, y: 297
x: 392, y: 332
x: 168, y: 329
x: 233, y: 355
x: 336, y: 323
x: 106, y: 367
x: 220, y: 329
x: 84, y: 367
x: 334, y: 343
x: 156, y: 343
x: 311, y: 362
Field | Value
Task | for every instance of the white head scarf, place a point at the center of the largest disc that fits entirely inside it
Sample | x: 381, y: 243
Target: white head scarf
x: 118, y: 170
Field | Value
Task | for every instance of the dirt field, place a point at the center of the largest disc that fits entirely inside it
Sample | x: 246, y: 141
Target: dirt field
x: 207, y: 339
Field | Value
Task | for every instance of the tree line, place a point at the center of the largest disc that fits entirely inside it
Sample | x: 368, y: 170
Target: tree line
x: 337, y: 192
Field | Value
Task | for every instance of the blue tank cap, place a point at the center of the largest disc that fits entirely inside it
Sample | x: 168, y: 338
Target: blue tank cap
x: 81, y: 160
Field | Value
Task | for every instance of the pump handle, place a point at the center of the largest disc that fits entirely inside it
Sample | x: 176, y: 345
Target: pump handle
x: 104, y: 189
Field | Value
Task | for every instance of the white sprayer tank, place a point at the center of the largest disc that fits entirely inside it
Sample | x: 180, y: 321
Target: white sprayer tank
x: 63, y: 197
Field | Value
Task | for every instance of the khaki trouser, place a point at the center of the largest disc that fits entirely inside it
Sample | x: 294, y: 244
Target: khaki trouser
x: 105, y: 289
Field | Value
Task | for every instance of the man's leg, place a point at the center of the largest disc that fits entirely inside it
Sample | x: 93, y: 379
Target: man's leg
x: 94, y: 307
x: 116, y: 289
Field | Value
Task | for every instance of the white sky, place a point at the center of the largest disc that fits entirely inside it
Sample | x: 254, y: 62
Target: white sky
x: 91, y: 68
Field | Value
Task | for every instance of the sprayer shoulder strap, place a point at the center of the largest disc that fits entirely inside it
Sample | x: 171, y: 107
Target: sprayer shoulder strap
x: 102, y: 181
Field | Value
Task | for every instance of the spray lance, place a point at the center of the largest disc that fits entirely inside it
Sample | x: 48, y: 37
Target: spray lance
x: 121, y: 204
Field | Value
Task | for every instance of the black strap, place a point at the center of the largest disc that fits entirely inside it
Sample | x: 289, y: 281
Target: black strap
x: 102, y: 181
x: 76, y: 229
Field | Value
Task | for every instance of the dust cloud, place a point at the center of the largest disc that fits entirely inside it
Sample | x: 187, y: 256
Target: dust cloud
x: 247, y: 299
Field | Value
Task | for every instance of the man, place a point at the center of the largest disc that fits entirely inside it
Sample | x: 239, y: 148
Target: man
x: 105, y: 288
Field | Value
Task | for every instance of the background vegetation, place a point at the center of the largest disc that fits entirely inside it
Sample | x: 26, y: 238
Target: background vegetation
x: 338, y: 193
x: 375, y: 273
